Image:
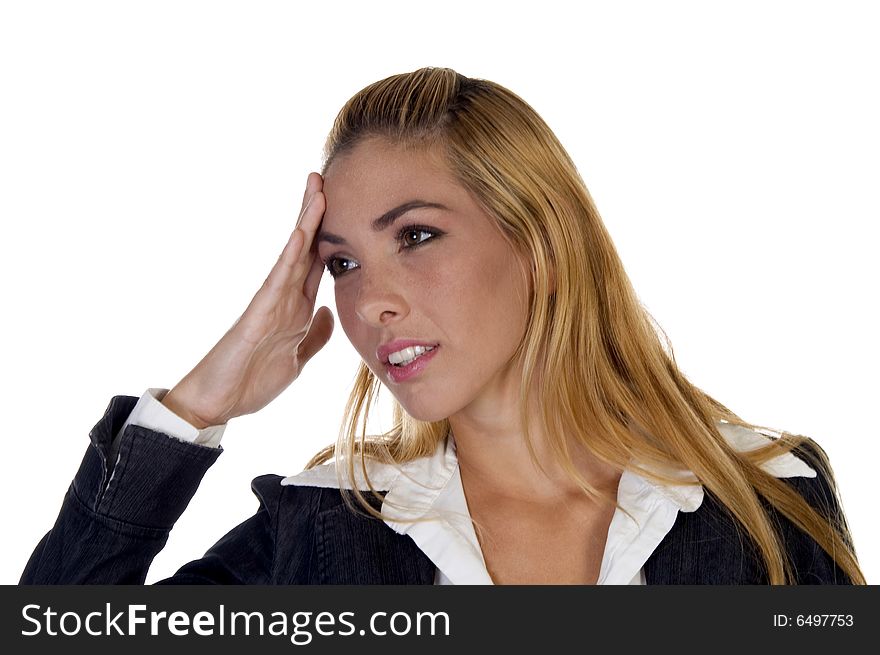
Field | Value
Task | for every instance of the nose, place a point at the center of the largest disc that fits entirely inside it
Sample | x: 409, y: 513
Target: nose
x: 379, y: 300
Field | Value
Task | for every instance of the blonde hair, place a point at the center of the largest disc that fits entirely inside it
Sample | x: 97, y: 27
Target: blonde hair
x: 608, y: 384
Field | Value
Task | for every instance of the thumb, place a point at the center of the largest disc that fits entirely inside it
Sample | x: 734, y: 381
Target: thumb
x: 317, y: 336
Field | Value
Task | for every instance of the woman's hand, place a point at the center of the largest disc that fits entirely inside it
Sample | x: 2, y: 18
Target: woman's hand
x: 266, y: 348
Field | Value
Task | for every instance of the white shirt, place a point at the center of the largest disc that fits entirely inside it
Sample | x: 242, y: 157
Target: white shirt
x: 431, y: 486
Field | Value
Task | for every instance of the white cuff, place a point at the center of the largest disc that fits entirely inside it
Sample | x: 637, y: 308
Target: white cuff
x: 149, y: 412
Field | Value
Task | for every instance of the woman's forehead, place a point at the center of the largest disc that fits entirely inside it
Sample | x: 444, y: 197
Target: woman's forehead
x: 379, y: 162
x: 363, y: 186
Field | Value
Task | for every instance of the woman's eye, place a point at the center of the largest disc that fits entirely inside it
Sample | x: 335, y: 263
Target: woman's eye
x: 409, y: 231
x: 331, y: 267
x: 410, y: 237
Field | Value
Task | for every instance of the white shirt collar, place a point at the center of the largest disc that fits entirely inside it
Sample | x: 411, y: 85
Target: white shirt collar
x: 431, y: 486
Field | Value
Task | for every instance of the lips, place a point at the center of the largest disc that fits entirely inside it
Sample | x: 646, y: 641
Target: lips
x: 399, y: 374
x: 383, y: 351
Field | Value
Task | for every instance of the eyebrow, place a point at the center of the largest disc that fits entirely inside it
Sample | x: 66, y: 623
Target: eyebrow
x: 384, y: 220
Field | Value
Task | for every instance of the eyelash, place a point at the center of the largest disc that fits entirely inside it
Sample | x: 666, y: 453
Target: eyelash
x: 403, y: 231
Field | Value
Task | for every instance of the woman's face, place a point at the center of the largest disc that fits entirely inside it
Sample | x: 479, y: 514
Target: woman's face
x: 438, y: 275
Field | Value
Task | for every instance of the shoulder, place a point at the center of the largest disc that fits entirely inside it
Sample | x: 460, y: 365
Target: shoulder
x: 276, y: 497
x: 812, y: 564
x: 806, y: 468
x: 819, y: 489
x: 296, y: 500
x: 788, y: 465
x: 718, y: 548
x: 333, y: 475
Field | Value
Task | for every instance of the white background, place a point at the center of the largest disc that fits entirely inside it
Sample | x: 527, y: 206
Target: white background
x: 153, y: 157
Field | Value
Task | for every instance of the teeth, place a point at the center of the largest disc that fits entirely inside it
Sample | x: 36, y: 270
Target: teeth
x: 405, y: 356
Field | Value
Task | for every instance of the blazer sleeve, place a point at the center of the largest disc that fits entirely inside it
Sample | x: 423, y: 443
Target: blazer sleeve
x: 247, y: 553
x: 116, y: 516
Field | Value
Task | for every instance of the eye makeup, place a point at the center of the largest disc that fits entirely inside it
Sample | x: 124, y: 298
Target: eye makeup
x: 400, y: 237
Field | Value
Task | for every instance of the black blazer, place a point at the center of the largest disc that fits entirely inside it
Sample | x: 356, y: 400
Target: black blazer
x: 109, y: 534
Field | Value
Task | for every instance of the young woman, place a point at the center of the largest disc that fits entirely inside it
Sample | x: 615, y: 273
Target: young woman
x: 543, y: 433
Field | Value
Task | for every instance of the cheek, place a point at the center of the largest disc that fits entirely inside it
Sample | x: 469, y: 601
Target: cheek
x: 498, y: 298
x: 488, y: 285
x: 347, y: 317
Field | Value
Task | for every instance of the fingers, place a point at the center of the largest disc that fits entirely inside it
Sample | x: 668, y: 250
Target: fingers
x: 311, y: 218
x: 296, y: 267
x: 280, y: 276
x: 318, y: 335
x: 314, y: 183
x: 313, y: 280
x: 308, y: 191
x: 296, y: 262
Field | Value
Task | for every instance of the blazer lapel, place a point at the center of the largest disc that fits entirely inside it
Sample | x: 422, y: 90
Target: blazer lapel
x: 354, y: 549
x: 703, y: 547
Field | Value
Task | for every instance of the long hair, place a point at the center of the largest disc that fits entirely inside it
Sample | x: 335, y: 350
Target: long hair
x: 608, y: 383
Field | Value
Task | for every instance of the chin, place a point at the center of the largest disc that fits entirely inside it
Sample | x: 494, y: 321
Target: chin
x: 423, y: 413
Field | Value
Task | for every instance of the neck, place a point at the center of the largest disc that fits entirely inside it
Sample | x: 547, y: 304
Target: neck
x: 493, y: 455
